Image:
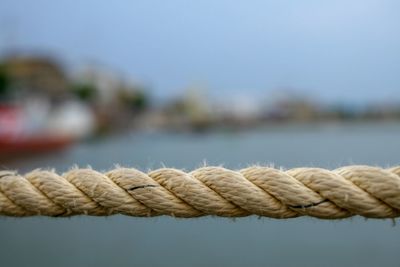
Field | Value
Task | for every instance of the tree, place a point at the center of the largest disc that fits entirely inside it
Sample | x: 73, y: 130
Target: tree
x: 4, y: 82
x: 85, y: 91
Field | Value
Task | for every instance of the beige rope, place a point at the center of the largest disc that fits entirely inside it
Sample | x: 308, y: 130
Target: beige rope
x: 354, y: 190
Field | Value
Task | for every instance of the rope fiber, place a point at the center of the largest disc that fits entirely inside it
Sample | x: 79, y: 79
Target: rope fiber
x: 264, y: 191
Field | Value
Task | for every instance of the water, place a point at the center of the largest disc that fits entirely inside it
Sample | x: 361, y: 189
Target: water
x: 207, y: 241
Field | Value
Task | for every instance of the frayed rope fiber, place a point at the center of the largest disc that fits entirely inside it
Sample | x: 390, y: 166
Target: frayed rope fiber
x: 264, y: 191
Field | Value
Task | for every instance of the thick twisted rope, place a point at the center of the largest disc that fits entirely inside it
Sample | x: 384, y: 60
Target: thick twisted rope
x: 354, y: 190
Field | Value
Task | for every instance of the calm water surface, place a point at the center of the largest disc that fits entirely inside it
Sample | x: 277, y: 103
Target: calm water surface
x: 164, y: 241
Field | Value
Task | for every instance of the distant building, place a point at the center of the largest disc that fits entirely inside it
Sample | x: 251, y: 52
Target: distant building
x: 36, y: 75
x: 116, y: 102
x: 291, y: 106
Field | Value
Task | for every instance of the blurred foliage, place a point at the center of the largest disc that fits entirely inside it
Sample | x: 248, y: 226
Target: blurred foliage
x: 343, y: 112
x: 4, y: 81
x: 177, y: 107
x: 136, y: 100
x: 85, y: 91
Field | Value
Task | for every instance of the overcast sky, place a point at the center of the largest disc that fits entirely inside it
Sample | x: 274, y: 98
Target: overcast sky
x: 338, y: 50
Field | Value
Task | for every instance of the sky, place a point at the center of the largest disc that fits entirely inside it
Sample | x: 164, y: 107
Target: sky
x: 344, y: 51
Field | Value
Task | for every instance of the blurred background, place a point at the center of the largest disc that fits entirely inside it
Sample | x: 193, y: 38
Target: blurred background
x: 177, y: 83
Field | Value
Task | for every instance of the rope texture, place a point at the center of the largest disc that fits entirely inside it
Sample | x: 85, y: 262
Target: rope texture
x: 353, y: 190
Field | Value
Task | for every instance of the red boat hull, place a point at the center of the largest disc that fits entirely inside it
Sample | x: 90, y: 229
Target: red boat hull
x: 30, y: 145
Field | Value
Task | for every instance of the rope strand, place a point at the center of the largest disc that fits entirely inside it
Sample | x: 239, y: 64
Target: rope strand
x: 353, y: 190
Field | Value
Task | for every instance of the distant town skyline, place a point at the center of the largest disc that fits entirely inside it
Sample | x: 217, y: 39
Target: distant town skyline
x: 338, y: 51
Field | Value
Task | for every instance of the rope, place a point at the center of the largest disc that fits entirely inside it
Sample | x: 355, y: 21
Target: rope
x: 353, y: 190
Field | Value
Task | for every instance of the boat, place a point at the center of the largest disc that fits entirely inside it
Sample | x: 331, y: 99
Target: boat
x: 17, y: 141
